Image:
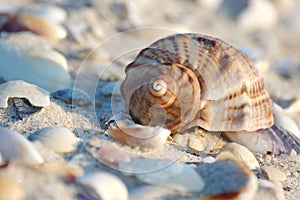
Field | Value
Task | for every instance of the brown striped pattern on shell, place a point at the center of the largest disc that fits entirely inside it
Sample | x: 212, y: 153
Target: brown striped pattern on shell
x: 215, y: 84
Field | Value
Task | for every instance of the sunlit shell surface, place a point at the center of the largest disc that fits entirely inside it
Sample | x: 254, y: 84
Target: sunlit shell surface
x: 187, y: 80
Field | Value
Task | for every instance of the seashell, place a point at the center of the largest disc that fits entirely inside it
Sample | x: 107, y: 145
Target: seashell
x: 277, y: 139
x: 269, y: 190
x: 286, y: 122
x: 242, y: 153
x: 164, y: 173
x: 146, y: 138
x: 21, y: 89
x: 188, y: 80
x: 111, y: 154
x: 104, y: 186
x: 59, y: 139
x: 59, y: 169
x: 10, y: 189
x: 15, y: 147
x: 21, y: 60
x: 73, y: 96
x: 274, y: 174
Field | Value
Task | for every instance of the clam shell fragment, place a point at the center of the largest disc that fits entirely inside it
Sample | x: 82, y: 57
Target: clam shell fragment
x: 21, y: 89
x: 242, y: 153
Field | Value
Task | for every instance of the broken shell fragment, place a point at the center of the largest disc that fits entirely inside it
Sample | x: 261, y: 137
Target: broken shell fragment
x: 104, y: 186
x: 146, y: 138
x: 243, y: 154
x: 21, y: 89
x: 274, y: 174
x: 59, y: 139
x: 15, y: 147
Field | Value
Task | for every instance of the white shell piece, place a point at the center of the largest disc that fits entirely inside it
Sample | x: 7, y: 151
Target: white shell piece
x: 14, y: 146
x: 21, y: 89
x: 242, y: 153
x: 59, y: 139
x: 165, y: 173
x: 33, y: 63
x: 105, y: 185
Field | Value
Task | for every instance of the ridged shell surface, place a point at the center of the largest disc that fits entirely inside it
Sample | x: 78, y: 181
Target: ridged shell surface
x: 188, y: 80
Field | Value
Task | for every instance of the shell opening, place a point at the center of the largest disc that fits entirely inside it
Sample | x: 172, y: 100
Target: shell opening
x: 158, y: 88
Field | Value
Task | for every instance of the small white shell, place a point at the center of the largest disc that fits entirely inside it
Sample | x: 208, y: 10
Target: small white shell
x: 105, y: 185
x: 31, y: 62
x: 274, y: 174
x: 147, y: 138
x: 164, y: 173
x: 21, y: 89
x: 242, y: 153
x: 13, y: 146
x: 59, y: 139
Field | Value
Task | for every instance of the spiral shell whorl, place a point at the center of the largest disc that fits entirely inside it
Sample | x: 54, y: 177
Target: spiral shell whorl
x: 157, y: 99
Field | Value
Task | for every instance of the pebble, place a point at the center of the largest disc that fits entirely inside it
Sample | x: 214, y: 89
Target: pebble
x: 21, y: 60
x: 73, y: 96
x: 250, y: 19
x: 274, y: 174
x: 21, y: 89
x: 227, y: 177
x: 242, y: 153
x: 164, y: 173
x: 111, y: 88
x: 59, y: 139
x: 145, y: 138
x: 106, y: 186
x: 10, y: 189
x: 15, y: 147
x: 209, y: 159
